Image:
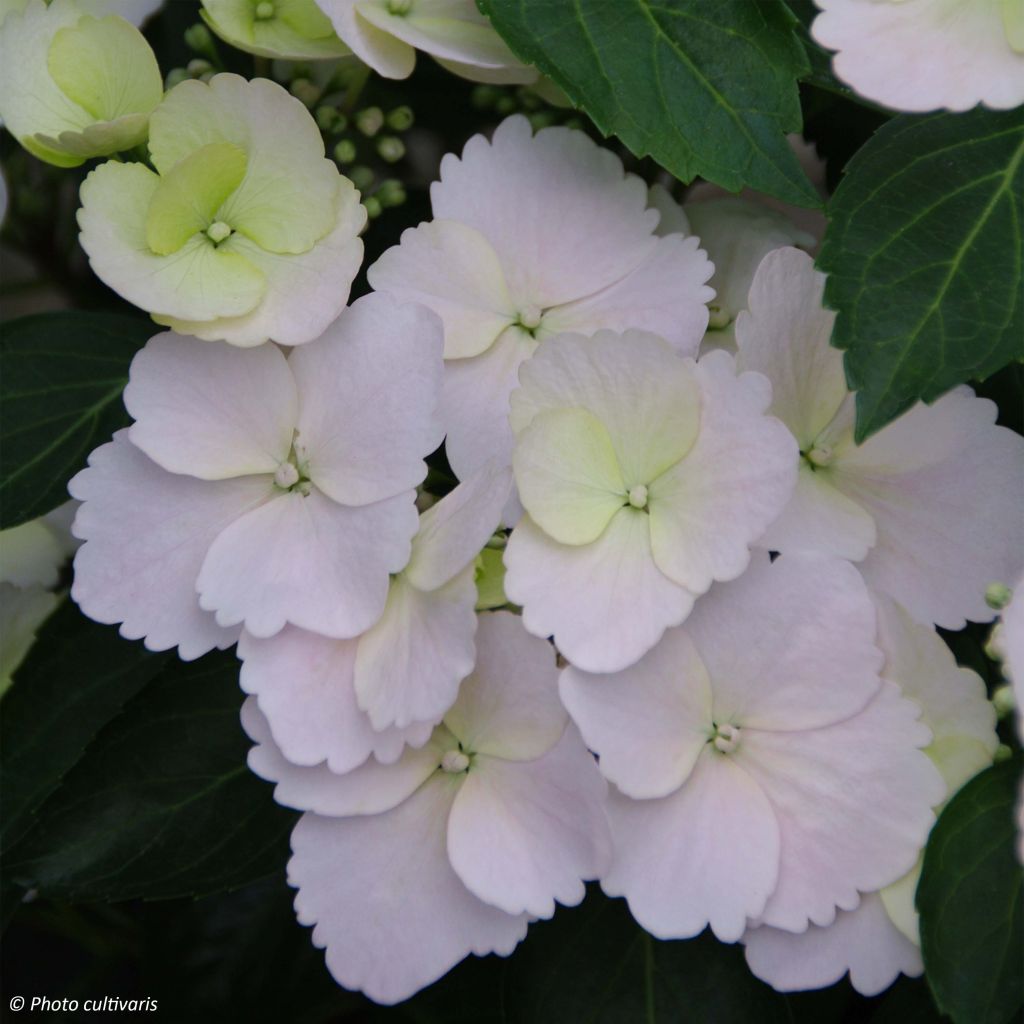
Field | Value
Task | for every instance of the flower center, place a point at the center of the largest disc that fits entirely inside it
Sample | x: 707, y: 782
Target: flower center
x: 218, y: 231
x: 638, y: 496
x: 454, y: 762
x: 399, y: 7
x: 726, y: 738
x: 820, y: 455
x: 264, y: 10
x: 530, y: 317
x: 287, y: 475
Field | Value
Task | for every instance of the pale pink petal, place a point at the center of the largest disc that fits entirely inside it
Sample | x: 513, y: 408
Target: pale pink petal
x: 945, y: 487
x: 606, y: 603
x: 784, y: 334
x: 509, y: 706
x: 370, y: 788
x: 453, y: 531
x: 388, y: 56
x: 863, y: 943
x: 920, y: 55
x: 708, y: 854
x: 667, y: 294
x: 146, y: 533
x: 708, y: 509
x: 211, y: 410
x: 790, y: 645
x: 475, y: 403
x: 368, y: 392
x: 853, y: 802
x: 306, y: 560
x: 389, y: 910
x: 819, y: 518
x: 562, y: 215
x: 673, y: 216
x: 304, y: 683
x: 453, y: 270
x: 523, y: 835
x: 411, y: 661
x: 649, y: 723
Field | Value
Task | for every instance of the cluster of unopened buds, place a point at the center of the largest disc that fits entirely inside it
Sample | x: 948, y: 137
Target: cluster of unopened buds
x: 703, y: 668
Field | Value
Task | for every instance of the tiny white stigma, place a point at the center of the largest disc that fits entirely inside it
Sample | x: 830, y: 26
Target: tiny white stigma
x: 638, y: 496
x: 264, y: 10
x: 820, y: 455
x: 726, y: 738
x: 286, y: 475
x: 454, y: 762
x: 399, y: 7
x: 530, y: 317
x: 218, y: 231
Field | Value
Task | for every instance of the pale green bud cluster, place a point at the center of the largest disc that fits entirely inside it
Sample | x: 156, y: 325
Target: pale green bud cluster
x: 73, y: 86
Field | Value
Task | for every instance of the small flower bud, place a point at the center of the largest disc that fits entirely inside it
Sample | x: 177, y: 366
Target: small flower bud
x: 1003, y: 700
x: 530, y: 317
x: 218, y: 231
x: 997, y: 595
x: 390, y: 149
x: 373, y: 207
x: 400, y: 119
x: 197, y: 66
x: 399, y: 8
x: 198, y: 38
x: 726, y: 738
x: 1003, y: 753
x: 326, y: 118
x: 391, y: 193
x: 264, y: 10
x: 369, y: 121
x: 484, y: 96
x: 638, y: 496
x: 287, y: 475
x: 362, y: 177
x: 305, y: 90
x: 505, y: 105
x: 175, y: 77
x: 345, y: 151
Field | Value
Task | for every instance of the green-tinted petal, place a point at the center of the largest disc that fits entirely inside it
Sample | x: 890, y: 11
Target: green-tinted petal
x: 100, y: 139
x: 286, y: 202
x: 298, y: 30
x: 191, y: 193
x: 569, y: 479
x: 198, y: 282
x: 106, y: 67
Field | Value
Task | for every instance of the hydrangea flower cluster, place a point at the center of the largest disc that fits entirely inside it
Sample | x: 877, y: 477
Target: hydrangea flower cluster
x: 712, y: 682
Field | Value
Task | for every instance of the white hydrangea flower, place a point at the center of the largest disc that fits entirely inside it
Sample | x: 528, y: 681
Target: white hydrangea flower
x: 74, y: 85
x: 387, y: 33
x: 137, y: 12
x: 645, y: 477
x: 260, y: 489
x: 920, y: 55
x: 341, y: 701
x: 764, y: 770
x: 31, y: 557
x: 535, y: 235
x: 289, y: 29
x: 930, y: 507
x: 408, y: 868
x: 245, y: 233
x: 878, y: 940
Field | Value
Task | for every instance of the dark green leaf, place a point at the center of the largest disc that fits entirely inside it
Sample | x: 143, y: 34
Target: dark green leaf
x: 61, y: 377
x: 969, y: 897
x: 924, y: 251
x: 162, y: 804
x: 76, y: 678
x: 706, y: 87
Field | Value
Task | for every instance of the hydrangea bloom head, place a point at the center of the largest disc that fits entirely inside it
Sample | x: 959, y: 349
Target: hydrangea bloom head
x: 246, y: 232
x: 387, y: 33
x: 920, y: 55
x: 878, y: 940
x: 260, y: 489
x: 497, y: 817
x: 340, y: 701
x: 535, y: 235
x: 763, y: 769
x: 289, y: 29
x: 903, y: 505
x: 74, y: 86
x: 645, y: 477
